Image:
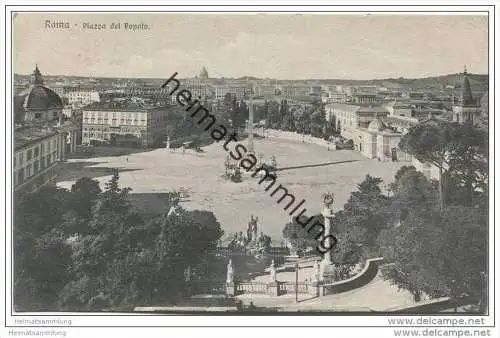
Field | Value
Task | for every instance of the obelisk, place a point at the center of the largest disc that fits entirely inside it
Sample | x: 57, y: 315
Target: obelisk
x: 250, y: 126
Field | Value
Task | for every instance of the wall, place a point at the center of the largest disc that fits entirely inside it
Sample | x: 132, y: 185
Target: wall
x: 36, y: 171
x: 364, y: 277
x: 430, y: 171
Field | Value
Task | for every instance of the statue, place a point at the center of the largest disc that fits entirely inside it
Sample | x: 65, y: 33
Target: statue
x: 230, y: 272
x: 272, y: 271
x: 252, y: 229
x: 187, y: 274
x: 328, y: 200
x: 316, y: 272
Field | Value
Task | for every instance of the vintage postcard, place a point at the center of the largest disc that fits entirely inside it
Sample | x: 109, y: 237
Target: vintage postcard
x: 167, y: 165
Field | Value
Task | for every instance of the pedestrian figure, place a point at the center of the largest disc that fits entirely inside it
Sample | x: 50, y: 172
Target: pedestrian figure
x: 127, y: 159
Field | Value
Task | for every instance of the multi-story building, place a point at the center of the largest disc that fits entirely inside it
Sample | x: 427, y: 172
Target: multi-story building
x: 37, y: 151
x: 125, y: 123
x: 82, y: 97
x: 199, y: 88
x: 239, y: 92
x: 337, y: 97
x: 315, y: 90
x: 265, y: 90
x: 364, y: 98
x: 146, y: 91
x: 350, y: 118
x: 292, y: 91
x: 367, y: 89
x: 398, y: 108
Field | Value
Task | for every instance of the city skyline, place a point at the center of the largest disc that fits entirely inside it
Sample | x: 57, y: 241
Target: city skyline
x: 282, y: 47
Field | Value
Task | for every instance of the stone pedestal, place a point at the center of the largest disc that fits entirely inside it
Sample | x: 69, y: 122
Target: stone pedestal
x: 328, y: 215
x: 273, y: 289
x: 231, y: 289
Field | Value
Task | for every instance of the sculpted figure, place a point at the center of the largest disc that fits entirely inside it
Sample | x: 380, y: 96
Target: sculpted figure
x: 230, y: 272
x: 272, y: 271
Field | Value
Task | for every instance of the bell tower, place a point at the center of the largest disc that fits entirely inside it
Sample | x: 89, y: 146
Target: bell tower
x: 467, y: 108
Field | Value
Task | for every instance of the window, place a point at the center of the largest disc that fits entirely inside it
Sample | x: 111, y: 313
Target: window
x: 29, y: 155
x: 21, y: 158
x: 38, y: 115
x: 20, y: 176
x: 28, y: 171
x: 48, y: 160
x: 37, y: 151
x: 42, y: 163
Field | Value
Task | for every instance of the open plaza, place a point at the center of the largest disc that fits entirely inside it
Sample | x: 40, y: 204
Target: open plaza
x: 158, y: 171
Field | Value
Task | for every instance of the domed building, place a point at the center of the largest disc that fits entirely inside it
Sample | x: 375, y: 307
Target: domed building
x: 204, y: 73
x: 41, y: 138
x: 37, y: 103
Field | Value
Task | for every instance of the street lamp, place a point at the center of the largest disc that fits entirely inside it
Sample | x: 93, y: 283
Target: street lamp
x: 296, y: 282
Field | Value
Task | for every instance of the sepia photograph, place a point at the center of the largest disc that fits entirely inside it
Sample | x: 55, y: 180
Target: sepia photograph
x: 252, y: 164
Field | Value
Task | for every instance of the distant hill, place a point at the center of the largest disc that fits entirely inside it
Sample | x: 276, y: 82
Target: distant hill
x: 478, y: 81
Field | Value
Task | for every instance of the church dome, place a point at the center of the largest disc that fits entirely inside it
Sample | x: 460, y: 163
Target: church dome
x: 38, y: 97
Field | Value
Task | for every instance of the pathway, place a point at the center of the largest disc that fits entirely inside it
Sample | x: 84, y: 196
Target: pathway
x: 378, y: 295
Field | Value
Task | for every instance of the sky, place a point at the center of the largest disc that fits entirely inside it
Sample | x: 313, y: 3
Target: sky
x: 280, y: 46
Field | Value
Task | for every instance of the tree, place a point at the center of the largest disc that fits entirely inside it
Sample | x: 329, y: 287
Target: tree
x: 123, y: 259
x: 297, y: 236
x: 459, y: 151
x: 366, y: 208
x: 429, y: 142
x: 463, y: 238
x: 438, y: 253
x: 40, y: 250
x: 467, y: 160
x: 412, y: 192
x: 85, y: 192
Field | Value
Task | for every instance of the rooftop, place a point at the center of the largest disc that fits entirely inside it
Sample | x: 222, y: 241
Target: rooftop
x: 27, y: 135
x: 122, y: 105
x: 344, y: 107
x: 378, y: 109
